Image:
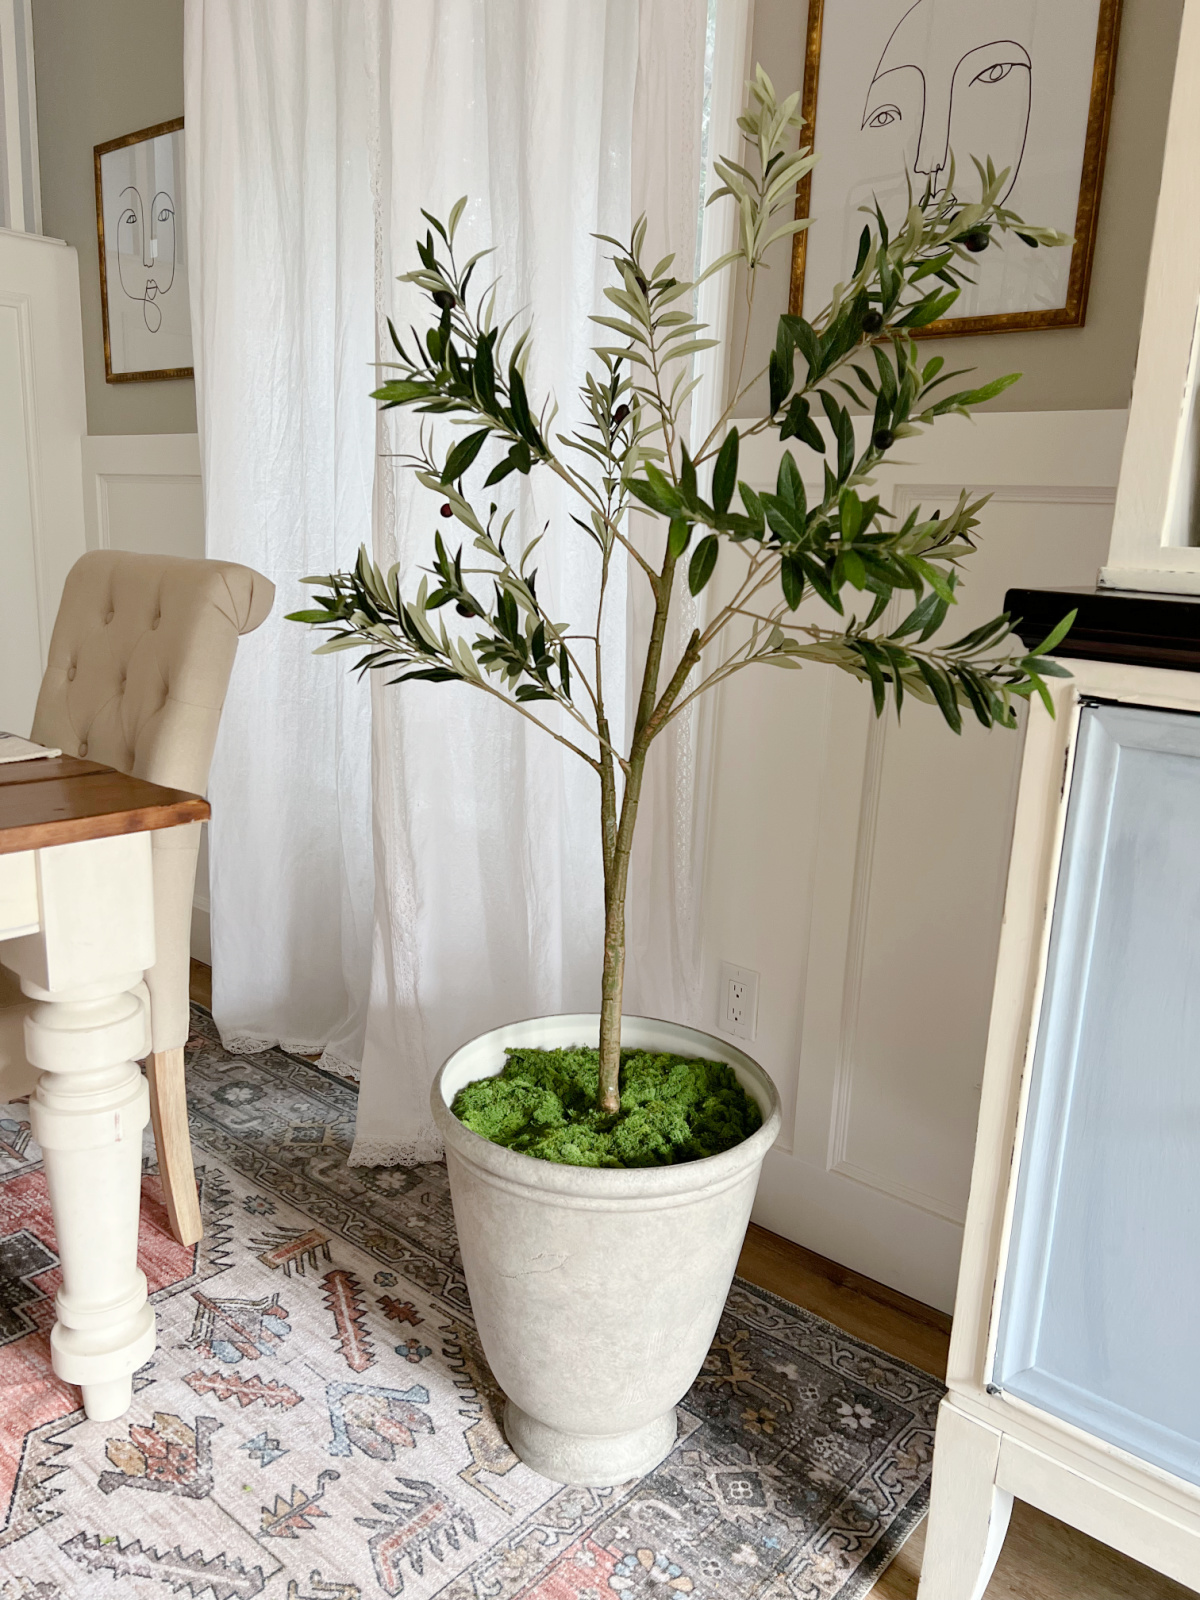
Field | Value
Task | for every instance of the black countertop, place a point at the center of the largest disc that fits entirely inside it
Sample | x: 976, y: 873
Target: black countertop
x: 1141, y: 630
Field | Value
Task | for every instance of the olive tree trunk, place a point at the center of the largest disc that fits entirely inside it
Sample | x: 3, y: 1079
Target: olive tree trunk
x: 616, y: 885
x: 617, y: 828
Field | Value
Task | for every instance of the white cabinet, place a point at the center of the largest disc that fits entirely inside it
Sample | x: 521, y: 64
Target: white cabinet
x: 1072, y: 1379
x: 1101, y: 1291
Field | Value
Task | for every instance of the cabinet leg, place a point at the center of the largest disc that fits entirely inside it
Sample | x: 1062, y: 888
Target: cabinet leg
x: 968, y: 1514
x: 88, y: 1112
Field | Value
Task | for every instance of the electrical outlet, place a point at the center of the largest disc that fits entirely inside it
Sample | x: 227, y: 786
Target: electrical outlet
x: 737, y: 1012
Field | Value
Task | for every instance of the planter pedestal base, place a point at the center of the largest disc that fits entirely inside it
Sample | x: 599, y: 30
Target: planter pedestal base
x: 596, y: 1291
x: 589, y: 1460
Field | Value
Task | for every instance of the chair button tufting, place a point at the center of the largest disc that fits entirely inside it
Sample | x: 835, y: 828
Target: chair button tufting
x: 83, y: 748
x: 71, y: 673
x: 109, y: 617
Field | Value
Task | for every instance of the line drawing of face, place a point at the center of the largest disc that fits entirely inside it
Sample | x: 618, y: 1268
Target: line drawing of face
x: 952, y: 78
x: 146, y: 250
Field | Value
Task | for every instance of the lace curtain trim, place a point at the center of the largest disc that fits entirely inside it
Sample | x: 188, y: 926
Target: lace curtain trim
x: 327, y: 1060
x: 415, y: 1152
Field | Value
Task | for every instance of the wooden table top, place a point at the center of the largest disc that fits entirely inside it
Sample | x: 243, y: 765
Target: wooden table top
x: 62, y: 800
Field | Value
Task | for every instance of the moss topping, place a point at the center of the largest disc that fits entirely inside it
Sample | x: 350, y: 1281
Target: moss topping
x: 672, y: 1108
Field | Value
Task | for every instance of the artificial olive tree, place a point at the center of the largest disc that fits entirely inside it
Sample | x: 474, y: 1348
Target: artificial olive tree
x: 835, y: 545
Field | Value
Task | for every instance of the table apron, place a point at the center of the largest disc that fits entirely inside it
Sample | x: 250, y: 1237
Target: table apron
x: 93, y: 905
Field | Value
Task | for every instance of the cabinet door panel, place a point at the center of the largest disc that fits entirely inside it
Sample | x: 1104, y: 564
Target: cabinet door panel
x: 1100, y: 1309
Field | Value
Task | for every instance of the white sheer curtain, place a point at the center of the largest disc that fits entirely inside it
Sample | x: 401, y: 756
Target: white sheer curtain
x: 488, y: 896
x: 689, y: 95
x: 281, y: 249
x: 396, y: 869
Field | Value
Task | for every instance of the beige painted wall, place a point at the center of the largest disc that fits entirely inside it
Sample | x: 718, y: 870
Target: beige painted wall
x: 105, y: 68
x: 1065, y: 369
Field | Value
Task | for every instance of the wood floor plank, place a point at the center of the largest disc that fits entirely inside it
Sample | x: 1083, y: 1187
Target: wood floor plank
x: 869, y: 1310
x: 1042, y: 1559
x: 200, y: 984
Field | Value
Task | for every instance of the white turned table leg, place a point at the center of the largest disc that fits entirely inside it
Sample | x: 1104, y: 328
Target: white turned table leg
x: 968, y: 1514
x: 85, y: 1033
x: 88, y: 1112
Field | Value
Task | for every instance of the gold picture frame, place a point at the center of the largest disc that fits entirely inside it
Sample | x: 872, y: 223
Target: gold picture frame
x: 148, y: 374
x: 1070, y: 315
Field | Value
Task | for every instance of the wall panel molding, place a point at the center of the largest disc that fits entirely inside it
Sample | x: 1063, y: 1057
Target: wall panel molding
x: 843, y: 1091
x: 142, y: 491
x: 891, y: 854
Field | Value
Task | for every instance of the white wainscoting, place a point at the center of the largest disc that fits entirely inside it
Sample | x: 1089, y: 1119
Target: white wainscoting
x: 859, y: 866
x: 143, y: 492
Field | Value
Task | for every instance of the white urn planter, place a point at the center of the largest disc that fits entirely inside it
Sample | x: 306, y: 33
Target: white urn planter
x: 597, y: 1291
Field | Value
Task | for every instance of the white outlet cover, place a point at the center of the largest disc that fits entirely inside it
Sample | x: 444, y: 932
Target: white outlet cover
x: 737, y: 1001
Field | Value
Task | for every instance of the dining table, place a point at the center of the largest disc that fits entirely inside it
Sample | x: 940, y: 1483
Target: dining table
x: 77, y: 930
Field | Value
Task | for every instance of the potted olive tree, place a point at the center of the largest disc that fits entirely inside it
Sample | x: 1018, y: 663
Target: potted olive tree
x: 603, y: 1167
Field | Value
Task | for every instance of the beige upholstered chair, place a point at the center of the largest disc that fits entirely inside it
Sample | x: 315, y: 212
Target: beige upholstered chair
x: 138, y: 667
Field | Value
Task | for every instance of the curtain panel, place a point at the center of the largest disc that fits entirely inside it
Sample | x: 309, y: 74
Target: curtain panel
x: 394, y: 870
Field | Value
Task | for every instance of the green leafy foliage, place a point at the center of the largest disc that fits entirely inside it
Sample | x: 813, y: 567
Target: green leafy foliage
x: 820, y: 547
x: 516, y: 645
x: 818, y: 543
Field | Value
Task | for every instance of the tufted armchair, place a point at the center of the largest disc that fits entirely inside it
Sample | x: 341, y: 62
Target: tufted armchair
x: 138, y: 667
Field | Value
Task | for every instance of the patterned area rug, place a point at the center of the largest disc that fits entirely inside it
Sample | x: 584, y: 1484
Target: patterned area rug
x: 318, y: 1422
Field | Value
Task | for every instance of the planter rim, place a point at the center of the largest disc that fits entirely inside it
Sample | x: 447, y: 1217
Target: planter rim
x: 612, y: 1184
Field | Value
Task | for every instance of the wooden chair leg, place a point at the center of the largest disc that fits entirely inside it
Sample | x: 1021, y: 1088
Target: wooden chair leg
x: 168, y: 1111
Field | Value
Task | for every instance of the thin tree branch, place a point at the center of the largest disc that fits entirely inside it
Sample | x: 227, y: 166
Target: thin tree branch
x: 516, y: 705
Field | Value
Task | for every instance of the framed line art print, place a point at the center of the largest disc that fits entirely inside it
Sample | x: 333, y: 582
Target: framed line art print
x: 895, y: 90
x: 142, y: 228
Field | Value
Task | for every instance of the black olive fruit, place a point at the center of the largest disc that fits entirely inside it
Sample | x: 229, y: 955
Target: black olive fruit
x: 978, y: 239
x: 884, y: 439
x: 872, y: 322
x: 447, y: 509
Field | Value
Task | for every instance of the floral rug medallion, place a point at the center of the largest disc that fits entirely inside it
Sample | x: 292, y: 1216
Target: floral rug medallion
x: 318, y: 1422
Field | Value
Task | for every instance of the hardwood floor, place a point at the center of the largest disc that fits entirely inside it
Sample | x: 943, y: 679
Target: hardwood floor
x: 200, y: 984
x: 870, y: 1311
x: 1042, y: 1559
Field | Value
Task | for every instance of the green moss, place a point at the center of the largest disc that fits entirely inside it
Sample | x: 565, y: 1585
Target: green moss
x: 672, y: 1109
